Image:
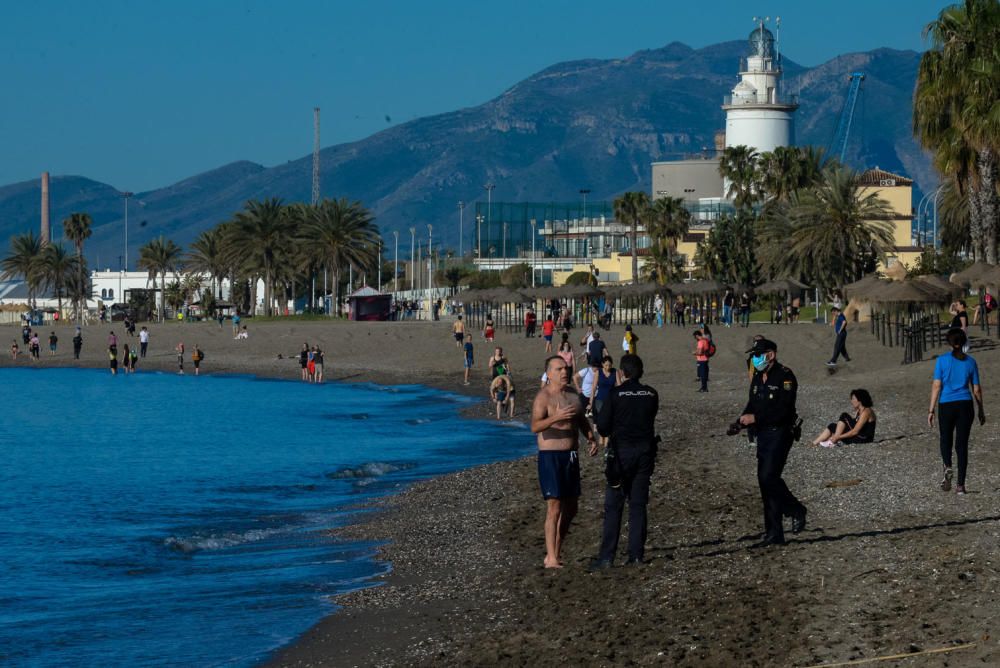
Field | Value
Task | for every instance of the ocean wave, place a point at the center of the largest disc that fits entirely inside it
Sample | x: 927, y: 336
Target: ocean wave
x: 369, y: 470
x: 197, y: 543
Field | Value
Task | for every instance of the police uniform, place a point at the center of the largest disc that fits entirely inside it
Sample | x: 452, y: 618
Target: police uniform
x: 772, y: 403
x: 627, y: 417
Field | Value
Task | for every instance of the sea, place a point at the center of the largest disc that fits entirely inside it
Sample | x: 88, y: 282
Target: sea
x: 155, y: 519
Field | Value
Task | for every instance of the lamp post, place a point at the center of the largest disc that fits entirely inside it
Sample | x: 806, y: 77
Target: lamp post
x: 937, y: 194
x: 504, y: 252
x: 479, y: 237
x: 489, y: 207
x: 413, y: 238
x: 585, y: 192
x: 461, y: 225
x: 380, y: 264
x: 430, y: 258
x: 533, y: 223
x: 395, y: 262
x: 125, y: 196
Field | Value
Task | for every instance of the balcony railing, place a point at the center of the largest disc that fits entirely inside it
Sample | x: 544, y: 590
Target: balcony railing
x: 782, y: 100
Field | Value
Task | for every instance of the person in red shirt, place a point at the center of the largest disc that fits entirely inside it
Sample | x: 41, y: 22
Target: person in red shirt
x: 548, y: 327
x: 529, y: 324
x: 701, y: 357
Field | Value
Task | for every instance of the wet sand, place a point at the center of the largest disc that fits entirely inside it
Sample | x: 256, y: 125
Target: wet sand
x: 889, y: 564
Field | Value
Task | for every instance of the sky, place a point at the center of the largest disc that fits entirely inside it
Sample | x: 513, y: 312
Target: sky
x: 142, y: 94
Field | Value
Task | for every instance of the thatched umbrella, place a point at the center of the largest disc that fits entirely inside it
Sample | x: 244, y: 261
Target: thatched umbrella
x: 865, y: 287
x: 941, y: 285
x: 781, y: 285
x: 972, y: 277
x: 909, y: 292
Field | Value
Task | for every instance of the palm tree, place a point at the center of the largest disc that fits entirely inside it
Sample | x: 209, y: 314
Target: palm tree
x: 158, y: 257
x: 632, y: 208
x: 738, y: 166
x: 832, y: 232
x: 956, y: 109
x: 55, y: 268
x: 206, y: 256
x: 342, y: 234
x: 77, y: 228
x: 23, y: 260
x: 954, y: 218
x: 787, y: 169
x: 667, y: 223
x: 259, y: 232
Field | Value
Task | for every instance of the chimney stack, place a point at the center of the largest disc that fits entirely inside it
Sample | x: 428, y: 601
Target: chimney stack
x: 46, y: 232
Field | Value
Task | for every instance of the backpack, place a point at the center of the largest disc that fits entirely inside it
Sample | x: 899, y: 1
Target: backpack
x: 989, y: 302
x: 711, y: 349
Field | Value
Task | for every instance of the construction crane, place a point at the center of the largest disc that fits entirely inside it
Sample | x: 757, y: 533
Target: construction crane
x: 838, y: 148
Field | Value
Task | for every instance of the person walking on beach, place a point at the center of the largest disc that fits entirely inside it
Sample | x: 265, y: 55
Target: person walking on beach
x: 236, y: 323
x: 14, y: 350
x: 458, y: 330
x: 770, y: 413
x: 840, y: 345
x: 627, y: 418
x: 180, y: 357
x: 658, y: 310
x: 53, y: 342
x: 557, y: 417
x: 702, y: 350
x: 127, y: 359
x: 955, y: 386
x: 745, y: 309
x: 77, y: 344
x: 548, y: 329
x: 319, y: 364
x: 113, y: 343
x: 630, y: 341
x: 35, y: 347
x: 530, y: 320
x: 113, y: 360
x: 133, y: 357
x: 196, y: 357
x: 469, y: 357
x: 143, y: 341
x: 502, y: 393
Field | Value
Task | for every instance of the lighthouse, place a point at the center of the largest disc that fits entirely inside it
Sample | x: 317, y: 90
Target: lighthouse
x: 757, y: 114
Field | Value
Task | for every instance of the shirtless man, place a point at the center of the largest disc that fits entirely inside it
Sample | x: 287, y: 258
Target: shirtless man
x: 458, y: 329
x: 556, y: 416
x: 502, y: 393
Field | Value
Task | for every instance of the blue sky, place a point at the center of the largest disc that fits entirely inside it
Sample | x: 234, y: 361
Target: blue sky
x: 142, y: 94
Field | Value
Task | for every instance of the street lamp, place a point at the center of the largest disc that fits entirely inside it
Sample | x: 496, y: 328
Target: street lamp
x: 413, y: 238
x: 461, y: 225
x: 489, y: 207
x: 395, y: 262
x: 585, y: 192
x: 430, y: 257
x: 533, y: 223
x: 479, y: 236
x: 125, y: 196
x: 504, y: 252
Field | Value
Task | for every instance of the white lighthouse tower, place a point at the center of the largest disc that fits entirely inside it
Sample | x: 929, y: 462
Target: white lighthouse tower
x: 757, y: 114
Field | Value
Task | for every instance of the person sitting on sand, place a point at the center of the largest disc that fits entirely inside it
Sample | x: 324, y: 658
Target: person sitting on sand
x: 502, y: 393
x: 856, y: 428
x: 557, y: 417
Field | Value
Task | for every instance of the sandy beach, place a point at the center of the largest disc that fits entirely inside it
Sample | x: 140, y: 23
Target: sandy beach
x: 888, y: 565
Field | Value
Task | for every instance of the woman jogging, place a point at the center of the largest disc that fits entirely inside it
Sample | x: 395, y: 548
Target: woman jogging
x: 956, y: 384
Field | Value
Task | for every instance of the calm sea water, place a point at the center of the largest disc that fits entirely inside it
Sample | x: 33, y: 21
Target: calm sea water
x: 159, y: 520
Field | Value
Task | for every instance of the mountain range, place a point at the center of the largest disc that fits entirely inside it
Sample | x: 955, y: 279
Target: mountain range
x: 595, y: 124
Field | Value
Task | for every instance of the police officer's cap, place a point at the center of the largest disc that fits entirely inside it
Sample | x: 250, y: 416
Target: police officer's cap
x: 761, y: 346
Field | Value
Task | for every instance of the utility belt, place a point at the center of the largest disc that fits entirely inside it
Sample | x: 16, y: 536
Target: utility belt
x: 794, y: 428
x: 612, y: 462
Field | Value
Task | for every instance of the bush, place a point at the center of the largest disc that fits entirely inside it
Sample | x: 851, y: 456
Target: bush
x: 581, y: 278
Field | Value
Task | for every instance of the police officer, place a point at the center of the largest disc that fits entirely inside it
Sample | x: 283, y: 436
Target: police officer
x: 627, y: 418
x: 770, y: 413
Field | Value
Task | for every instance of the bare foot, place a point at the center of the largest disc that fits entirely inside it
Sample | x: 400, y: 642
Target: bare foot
x: 552, y: 564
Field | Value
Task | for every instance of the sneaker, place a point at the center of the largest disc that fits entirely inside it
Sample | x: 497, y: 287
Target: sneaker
x: 831, y: 364
x: 960, y: 490
x: 946, y: 481
x: 827, y: 444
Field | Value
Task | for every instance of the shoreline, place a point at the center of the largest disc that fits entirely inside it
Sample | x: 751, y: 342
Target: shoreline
x: 888, y: 562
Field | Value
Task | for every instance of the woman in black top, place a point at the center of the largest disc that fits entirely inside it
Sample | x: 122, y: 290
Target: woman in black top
x: 960, y: 319
x: 856, y: 428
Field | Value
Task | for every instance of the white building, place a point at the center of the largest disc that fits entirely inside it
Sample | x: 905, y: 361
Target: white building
x: 757, y: 113
x: 113, y: 287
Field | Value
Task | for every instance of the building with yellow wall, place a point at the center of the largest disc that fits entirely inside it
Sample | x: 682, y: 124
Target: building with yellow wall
x: 897, y: 190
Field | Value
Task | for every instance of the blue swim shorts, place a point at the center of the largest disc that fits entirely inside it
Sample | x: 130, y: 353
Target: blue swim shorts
x: 559, y: 474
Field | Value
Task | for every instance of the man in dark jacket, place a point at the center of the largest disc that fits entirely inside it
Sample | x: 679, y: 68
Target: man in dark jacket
x: 627, y: 417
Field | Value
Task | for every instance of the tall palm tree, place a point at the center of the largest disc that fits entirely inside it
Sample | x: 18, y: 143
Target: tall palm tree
x: 632, y: 208
x: 22, y: 261
x: 738, y: 166
x: 833, y: 231
x: 956, y: 109
x: 342, y: 234
x: 206, y: 256
x: 787, y: 169
x: 77, y: 228
x: 55, y: 268
x: 158, y: 257
x: 954, y: 218
x: 667, y: 223
x: 259, y: 232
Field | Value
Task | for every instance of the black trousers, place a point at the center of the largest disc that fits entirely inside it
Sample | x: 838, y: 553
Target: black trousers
x: 955, y: 423
x: 142, y: 348
x: 840, y: 348
x: 773, y: 446
x: 636, y: 464
x: 703, y: 374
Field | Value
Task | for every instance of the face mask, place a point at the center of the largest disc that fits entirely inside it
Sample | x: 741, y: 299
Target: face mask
x: 759, y: 362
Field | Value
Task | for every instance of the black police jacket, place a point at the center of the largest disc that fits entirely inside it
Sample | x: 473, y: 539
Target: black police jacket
x: 628, y: 414
x: 772, y: 402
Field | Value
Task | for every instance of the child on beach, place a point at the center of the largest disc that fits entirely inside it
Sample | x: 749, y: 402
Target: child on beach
x: 468, y: 357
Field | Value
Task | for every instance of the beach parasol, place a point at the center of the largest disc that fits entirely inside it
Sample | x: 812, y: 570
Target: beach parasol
x: 705, y: 287
x: 788, y: 285
x: 864, y: 288
x: 973, y: 276
x: 941, y: 284
x: 909, y: 292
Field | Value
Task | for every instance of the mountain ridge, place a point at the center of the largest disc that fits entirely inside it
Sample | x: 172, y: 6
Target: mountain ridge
x: 587, y: 123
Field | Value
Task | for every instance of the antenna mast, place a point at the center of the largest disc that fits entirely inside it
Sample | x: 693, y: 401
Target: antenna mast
x: 315, y: 184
